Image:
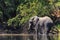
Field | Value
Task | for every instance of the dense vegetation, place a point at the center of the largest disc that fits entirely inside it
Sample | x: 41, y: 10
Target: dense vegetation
x: 15, y: 13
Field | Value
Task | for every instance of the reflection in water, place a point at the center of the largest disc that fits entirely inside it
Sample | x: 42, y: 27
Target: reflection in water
x: 48, y: 37
x: 11, y: 38
x: 53, y: 37
x: 40, y: 37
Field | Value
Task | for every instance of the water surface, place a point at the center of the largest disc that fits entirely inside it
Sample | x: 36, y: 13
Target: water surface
x: 40, y: 37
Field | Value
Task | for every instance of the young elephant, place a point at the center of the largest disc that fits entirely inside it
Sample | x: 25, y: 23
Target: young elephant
x: 43, y: 25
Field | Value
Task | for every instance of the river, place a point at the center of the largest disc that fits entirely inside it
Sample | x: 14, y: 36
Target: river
x: 41, y: 37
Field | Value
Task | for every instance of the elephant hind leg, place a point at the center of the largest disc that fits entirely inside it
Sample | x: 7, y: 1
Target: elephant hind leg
x: 49, y: 26
x: 48, y: 31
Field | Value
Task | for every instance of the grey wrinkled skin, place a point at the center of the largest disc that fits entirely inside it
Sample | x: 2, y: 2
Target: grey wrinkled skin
x: 42, y: 24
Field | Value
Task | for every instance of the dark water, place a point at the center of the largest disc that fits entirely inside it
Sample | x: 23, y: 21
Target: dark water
x: 40, y: 37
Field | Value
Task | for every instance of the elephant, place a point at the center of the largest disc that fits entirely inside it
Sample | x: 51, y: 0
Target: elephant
x: 43, y: 25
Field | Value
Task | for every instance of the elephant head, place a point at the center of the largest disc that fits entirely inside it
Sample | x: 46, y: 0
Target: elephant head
x: 32, y: 22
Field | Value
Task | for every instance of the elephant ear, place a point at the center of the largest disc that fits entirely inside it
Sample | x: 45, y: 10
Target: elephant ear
x: 37, y: 19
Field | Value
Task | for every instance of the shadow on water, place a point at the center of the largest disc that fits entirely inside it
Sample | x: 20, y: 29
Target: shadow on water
x: 40, y: 37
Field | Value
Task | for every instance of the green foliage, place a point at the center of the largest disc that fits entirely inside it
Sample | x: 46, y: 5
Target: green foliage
x: 17, y: 12
x: 8, y: 8
x: 58, y: 4
x: 58, y: 26
x: 31, y: 8
x: 14, y: 21
x: 1, y: 15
